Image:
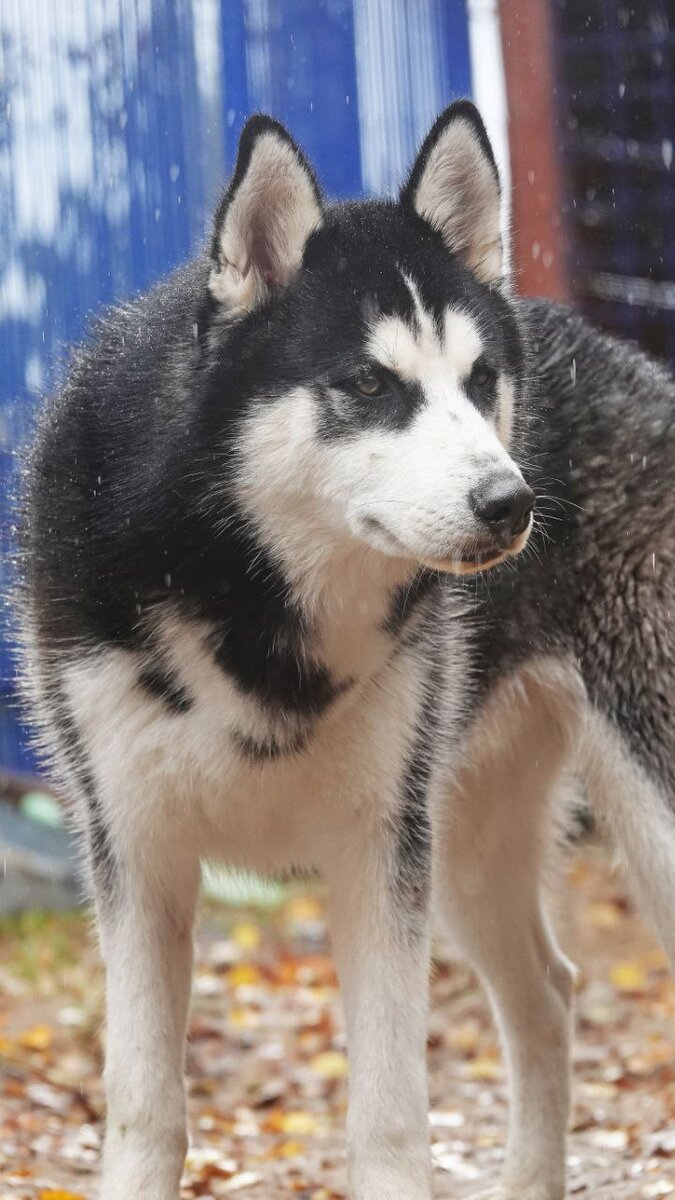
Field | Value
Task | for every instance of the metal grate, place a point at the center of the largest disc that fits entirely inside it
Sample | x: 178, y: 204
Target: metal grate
x: 616, y: 99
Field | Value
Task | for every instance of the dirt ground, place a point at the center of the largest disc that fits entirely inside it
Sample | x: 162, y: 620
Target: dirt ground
x: 267, y: 1067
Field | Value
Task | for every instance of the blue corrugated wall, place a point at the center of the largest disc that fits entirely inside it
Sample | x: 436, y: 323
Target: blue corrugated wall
x: 119, y: 120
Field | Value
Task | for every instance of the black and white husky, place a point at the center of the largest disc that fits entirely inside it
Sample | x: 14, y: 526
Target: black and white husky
x: 247, y: 636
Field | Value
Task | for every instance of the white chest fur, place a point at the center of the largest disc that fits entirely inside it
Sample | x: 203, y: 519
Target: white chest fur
x: 157, y: 770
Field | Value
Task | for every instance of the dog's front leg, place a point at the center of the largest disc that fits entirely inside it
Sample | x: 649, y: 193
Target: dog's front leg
x: 145, y: 915
x: 379, y: 885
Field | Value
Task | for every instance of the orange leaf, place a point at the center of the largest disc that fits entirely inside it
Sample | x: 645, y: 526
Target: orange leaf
x: 243, y: 975
x: 484, y: 1068
x: 465, y: 1037
x: 297, y: 1123
x: 628, y: 976
x: 330, y: 1064
x: 59, y: 1194
x: 244, y: 1018
x: 38, y: 1037
x: 289, y: 1150
x: 247, y: 935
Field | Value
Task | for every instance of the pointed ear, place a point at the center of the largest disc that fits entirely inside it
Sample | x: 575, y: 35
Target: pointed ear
x: 454, y: 185
x: 264, y: 219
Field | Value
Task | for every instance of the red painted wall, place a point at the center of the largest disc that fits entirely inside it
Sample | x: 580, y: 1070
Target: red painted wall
x: 539, y: 252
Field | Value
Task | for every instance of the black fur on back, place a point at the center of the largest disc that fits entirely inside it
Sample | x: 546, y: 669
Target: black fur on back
x: 598, y: 581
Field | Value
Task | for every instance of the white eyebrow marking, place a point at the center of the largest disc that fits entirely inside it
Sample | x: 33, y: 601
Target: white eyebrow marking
x: 404, y: 349
x: 416, y: 354
x: 418, y: 351
x: 392, y: 343
x: 462, y: 342
x: 426, y: 320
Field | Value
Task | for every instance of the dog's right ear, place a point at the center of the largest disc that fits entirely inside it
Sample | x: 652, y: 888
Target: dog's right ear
x: 262, y: 223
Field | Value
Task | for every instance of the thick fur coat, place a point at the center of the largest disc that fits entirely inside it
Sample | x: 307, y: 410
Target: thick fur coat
x: 272, y: 615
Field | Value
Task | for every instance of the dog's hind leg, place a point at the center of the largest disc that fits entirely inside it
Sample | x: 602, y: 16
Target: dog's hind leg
x: 489, y: 892
x: 634, y: 800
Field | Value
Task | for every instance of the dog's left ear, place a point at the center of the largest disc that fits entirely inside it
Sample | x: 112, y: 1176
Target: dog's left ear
x: 454, y: 185
x: 264, y: 219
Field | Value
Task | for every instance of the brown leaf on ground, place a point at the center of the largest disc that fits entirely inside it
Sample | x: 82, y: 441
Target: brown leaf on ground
x: 267, y: 1067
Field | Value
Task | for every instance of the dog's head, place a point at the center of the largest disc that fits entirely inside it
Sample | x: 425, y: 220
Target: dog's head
x: 367, y: 355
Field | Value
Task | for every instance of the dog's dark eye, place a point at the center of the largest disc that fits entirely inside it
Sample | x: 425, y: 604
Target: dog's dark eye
x: 369, y: 384
x: 482, y: 375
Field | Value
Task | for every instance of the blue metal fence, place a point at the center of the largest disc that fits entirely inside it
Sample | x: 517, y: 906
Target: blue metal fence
x: 118, y: 122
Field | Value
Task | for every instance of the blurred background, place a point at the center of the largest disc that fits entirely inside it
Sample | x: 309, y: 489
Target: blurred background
x: 119, y: 122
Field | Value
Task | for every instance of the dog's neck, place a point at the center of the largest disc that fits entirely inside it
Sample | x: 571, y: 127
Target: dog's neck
x: 346, y: 594
x: 297, y: 630
x: 351, y: 600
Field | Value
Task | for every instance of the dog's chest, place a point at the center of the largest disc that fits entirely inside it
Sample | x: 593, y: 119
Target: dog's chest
x: 255, y: 758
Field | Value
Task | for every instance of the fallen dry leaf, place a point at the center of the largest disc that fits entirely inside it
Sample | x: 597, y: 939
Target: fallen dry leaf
x: 59, y: 1194
x: 330, y: 1064
x: 628, y: 976
x: 267, y: 1068
x: 247, y: 936
x: 38, y: 1037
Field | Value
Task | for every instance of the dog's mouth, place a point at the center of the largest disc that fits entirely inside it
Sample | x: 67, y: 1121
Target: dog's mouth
x: 470, y: 559
x: 480, y: 558
x: 475, y: 559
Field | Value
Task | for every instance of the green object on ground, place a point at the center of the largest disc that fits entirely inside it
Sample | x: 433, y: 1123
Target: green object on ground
x: 241, y: 888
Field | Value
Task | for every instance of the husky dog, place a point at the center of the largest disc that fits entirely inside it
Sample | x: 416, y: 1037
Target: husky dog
x: 247, y: 636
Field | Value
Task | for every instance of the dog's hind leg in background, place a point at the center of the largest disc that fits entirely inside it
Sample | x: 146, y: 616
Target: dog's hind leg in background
x: 492, y: 862
x: 492, y: 882
x: 577, y: 683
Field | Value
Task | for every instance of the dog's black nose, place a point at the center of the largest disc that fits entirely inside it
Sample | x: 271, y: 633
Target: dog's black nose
x: 503, y: 503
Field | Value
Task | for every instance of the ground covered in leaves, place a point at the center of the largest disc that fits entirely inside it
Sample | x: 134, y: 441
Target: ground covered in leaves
x: 267, y: 1072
